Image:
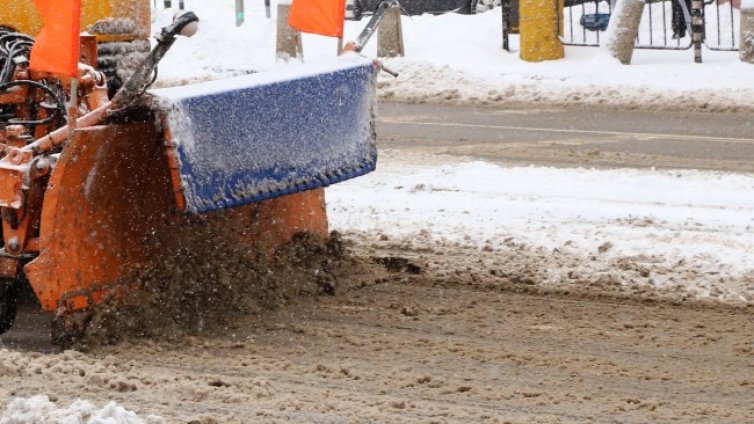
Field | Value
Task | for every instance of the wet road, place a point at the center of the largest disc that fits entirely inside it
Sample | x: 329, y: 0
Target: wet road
x: 31, y: 331
x: 575, y: 137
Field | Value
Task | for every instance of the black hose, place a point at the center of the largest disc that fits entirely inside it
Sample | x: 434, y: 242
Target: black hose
x: 58, y: 111
x: 12, y: 44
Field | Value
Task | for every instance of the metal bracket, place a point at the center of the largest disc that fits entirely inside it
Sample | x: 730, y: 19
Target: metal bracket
x: 373, y: 23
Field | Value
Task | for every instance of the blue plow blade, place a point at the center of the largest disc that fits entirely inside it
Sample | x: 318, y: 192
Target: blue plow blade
x: 257, y: 137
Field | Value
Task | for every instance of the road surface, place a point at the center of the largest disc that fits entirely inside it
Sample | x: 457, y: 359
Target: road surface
x: 448, y: 335
x: 578, y: 137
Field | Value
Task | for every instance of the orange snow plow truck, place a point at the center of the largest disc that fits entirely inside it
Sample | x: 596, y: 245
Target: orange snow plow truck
x: 84, y: 201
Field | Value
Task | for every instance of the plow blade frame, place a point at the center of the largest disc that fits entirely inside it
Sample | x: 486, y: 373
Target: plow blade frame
x: 262, y: 136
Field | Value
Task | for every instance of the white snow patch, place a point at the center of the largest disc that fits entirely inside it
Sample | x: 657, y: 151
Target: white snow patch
x: 39, y: 410
x: 289, y: 73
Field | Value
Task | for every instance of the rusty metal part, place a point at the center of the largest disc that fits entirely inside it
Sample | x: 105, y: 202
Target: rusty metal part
x: 89, y: 50
x: 9, y: 266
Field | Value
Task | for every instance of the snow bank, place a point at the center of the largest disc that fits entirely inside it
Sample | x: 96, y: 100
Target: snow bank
x: 457, y: 58
x: 39, y: 410
x: 701, y: 219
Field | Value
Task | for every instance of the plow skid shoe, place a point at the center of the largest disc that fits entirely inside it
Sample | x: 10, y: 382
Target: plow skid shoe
x: 263, y: 136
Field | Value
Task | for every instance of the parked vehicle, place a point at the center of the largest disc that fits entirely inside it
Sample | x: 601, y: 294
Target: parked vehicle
x: 355, y: 9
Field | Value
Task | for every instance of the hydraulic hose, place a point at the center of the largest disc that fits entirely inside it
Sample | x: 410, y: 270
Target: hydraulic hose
x: 59, y: 102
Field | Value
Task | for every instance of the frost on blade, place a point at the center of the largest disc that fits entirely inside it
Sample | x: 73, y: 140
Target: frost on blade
x: 262, y: 136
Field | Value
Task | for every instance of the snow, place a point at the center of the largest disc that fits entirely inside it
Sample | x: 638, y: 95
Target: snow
x: 703, y: 218
x: 39, y: 410
x: 458, y: 58
x: 296, y: 71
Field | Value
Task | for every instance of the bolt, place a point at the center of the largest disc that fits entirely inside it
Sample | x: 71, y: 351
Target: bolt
x: 13, y: 244
x: 43, y: 167
x: 15, y: 156
x: 14, y: 131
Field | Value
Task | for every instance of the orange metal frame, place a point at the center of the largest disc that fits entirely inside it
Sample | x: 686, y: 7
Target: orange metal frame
x: 111, y: 198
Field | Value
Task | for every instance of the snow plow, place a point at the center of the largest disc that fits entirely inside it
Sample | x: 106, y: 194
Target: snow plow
x: 85, y: 205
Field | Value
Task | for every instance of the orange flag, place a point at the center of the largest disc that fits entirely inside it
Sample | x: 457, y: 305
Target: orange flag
x: 324, y: 17
x: 56, y: 49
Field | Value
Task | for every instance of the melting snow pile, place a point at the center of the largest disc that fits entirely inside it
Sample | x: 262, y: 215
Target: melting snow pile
x: 39, y: 410
x: 679, y: 220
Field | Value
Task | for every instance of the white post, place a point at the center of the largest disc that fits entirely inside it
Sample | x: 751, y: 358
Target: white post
x: 390, y: 34
x: 746, y: 49
x: 623, y: 28
x: 288, y: 43
x: 240, y: 14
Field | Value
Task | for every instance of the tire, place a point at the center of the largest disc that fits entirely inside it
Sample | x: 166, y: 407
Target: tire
x: 358, y: 10
x: 119, y: 60
x: 8, y: 301
x: 481, y: 6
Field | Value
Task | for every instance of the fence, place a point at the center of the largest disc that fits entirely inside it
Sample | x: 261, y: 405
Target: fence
x: 722, y: 25
x: 665, y: 24
x: 167, y: 4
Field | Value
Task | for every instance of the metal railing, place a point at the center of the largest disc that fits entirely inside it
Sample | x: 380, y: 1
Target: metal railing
x: 722, y: 23
x: 573, y: 28
x: 167, y: 4
x: 665, y: 24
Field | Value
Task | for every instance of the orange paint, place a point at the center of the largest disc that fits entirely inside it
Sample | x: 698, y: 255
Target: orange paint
x: 111, y: 196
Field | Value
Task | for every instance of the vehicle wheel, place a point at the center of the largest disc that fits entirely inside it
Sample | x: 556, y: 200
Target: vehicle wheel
x: 481, y: 6
x: 119, y: 60
x: 358, y: 10
x: 8, y: 300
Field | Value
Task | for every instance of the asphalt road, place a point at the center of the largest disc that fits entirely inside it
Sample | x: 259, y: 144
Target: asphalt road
x: 554, y: 136
x: 573, y: 137
x: 469, y: 338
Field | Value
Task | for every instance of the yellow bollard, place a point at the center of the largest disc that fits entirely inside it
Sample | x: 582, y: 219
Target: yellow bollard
x: 539, y: 27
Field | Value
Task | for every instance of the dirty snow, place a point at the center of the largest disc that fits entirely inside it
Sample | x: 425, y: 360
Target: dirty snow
x: 692, y: 218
